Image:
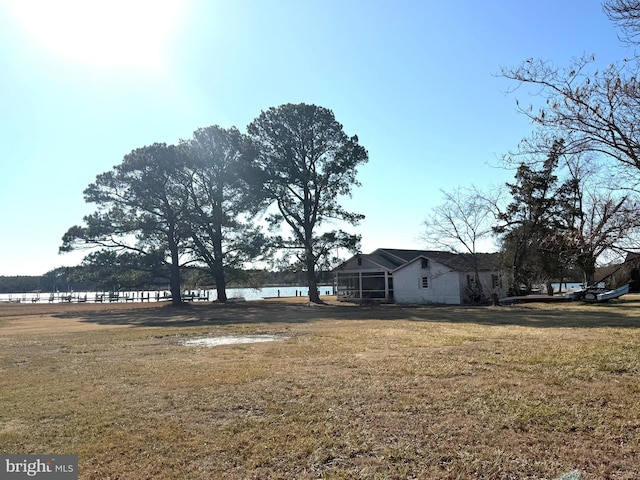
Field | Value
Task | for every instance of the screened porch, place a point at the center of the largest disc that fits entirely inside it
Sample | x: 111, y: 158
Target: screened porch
x: 357, y: 286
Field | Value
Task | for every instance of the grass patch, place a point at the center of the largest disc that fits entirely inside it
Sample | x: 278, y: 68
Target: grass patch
x: 355, y: 392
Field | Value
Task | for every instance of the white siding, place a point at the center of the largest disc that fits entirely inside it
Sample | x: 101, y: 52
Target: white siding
x: 486, y: 278
x: 444, y: 284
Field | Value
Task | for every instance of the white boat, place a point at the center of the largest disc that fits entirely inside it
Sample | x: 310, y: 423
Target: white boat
x: 599, y: 295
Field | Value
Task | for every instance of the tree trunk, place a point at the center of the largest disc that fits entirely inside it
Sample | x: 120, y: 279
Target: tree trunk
x: 312, y: 282
x: 561, y: 280
x: 218, y: 260
x: 314, y: 294
x: 476, y: 271
x: 221, y: 283
x: 174, y: 285
x: 588, y: 265
x: 590, y: 276
x: 174, y: 273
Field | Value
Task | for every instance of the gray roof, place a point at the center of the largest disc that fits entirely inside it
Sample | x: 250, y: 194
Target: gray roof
x: 392, y: 259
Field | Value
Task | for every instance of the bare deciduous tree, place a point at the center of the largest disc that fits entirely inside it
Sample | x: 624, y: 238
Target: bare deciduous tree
x: 625, y: 13
x: 460, y: 225
x: 596, y: 111
x: 593, y: 111
x: 461, y: 222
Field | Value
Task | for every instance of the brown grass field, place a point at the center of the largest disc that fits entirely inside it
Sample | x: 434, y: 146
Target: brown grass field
x: 355, y: 392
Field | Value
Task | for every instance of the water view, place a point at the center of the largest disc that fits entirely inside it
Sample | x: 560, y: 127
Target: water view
x: 248, y: 294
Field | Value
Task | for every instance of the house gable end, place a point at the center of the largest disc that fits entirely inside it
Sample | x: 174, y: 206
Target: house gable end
x: 359, y: 263
x: 419, y: 258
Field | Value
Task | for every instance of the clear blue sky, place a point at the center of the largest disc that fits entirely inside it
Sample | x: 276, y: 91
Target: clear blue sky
x: 415, y: 80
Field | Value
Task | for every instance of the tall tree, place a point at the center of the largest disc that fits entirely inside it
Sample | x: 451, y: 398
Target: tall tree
x: 602, y: 216
x: 597, y: 111
x: 141, y: 208
x: 535, y: 213
x: 221, y: 203
x: 594, y: 218
x: 605, y: 224
x: 306, y: 163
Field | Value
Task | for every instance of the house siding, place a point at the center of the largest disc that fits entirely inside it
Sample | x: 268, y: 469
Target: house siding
x: 444, y: 284
x: 488, y: 287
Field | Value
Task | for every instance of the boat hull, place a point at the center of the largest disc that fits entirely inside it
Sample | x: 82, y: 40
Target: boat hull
x: 595, y: 296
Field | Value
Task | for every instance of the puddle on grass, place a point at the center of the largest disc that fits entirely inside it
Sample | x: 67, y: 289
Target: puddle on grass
x: 215, y: 341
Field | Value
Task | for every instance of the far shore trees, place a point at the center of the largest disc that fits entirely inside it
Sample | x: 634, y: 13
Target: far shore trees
x: 110, y: 270
x: 305, y: 163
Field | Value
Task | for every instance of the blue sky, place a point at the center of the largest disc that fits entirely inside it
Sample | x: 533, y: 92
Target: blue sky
x: 415, y: 80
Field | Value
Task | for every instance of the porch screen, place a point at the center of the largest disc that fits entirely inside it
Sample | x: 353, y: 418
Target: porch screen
x: 348, y: 285
x: 373, y: 285
x: 363, y: 285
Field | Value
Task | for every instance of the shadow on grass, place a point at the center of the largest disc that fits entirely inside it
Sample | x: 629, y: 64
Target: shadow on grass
x: 622, y: 313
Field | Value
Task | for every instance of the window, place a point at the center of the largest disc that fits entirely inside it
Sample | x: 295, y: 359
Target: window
x: 425, y: 263
x: 425, y: 282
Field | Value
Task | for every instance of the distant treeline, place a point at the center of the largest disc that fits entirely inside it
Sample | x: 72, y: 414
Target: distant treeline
x: 23, y: 283
x: 67, y: 279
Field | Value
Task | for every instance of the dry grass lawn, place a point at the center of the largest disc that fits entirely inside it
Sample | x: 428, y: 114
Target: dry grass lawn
x: 384, y: 392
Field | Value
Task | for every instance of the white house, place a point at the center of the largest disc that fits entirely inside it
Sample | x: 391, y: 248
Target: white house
x: 420, y: 276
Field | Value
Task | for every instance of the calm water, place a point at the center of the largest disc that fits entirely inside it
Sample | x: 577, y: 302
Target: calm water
x: 566, y: 287
x: 153, y: 295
